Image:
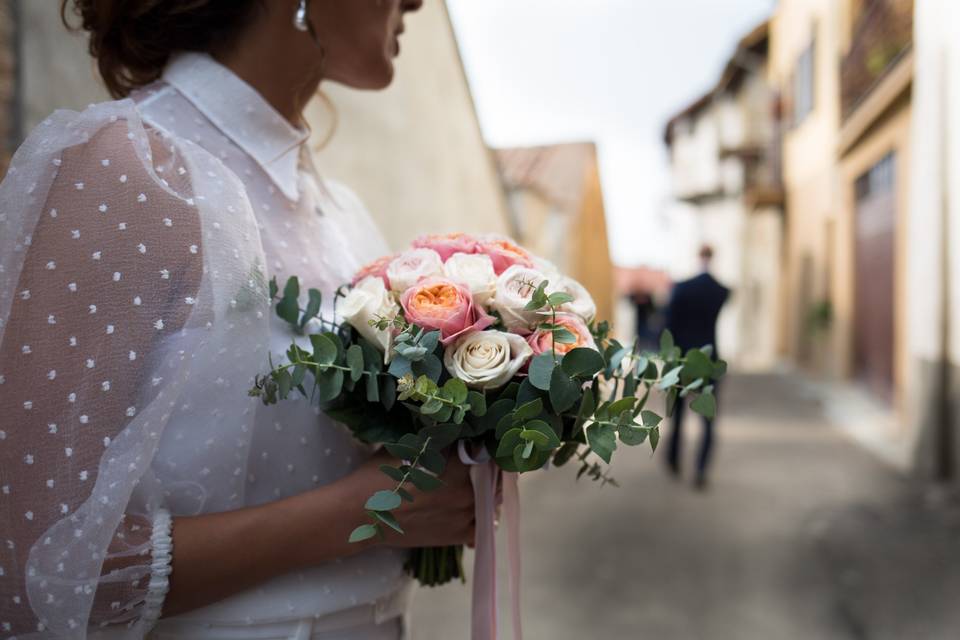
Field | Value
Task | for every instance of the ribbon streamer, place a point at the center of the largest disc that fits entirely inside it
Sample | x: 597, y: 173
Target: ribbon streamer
x: 486, y: 476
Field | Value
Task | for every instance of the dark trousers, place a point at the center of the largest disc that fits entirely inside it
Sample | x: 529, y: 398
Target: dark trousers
x: 676, y: 436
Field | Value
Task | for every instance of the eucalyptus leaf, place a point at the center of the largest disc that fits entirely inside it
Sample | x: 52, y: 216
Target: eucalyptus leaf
x: 355, y: 361
x: 666, y: 344
x: 587, y: 407
x: 324, y: 349
x: 329, y: 384
x: 632, y: 436
x: 373, y: 389
x: 399, y: 367
x: 363, y: 532
x: 528, y: 411
x: 284, y: 383
x: 698, y: 365
x: 442, y: 435
x: 392, y: 472
x: 424, y: 481
x: 564, y: 392
x: 388, y: 519
x: 706, y: 405
x: 456, y: 389
x: 602, y: 439
x: 541, y: 368
x: 382, y: 501
x: 583, y: 362
x: 478, y: 403
x: 650, y: 419
x: 548, y: 440
x: 388, y: 391
x: 559, y: 298
x: 433, y: 461
x: 670, y: 378
x: 430, y: 366
x: 508, y: 442
x: 289, y: 310
x: 313, y: 307
x: 401, y: 451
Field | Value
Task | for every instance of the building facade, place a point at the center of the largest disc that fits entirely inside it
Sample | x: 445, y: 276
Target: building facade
x: 414, y: 153
x: 556, y: 209
x: 725, y: 166
x: 845, y: 71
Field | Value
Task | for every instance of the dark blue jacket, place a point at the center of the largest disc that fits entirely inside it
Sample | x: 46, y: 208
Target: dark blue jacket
x: 693, y: 310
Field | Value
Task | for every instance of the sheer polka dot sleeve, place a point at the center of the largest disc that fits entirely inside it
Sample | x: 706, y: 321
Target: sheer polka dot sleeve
x: 103, y: 271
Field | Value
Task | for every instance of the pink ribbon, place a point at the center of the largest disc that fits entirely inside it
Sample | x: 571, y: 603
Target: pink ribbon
x: 485, y: 476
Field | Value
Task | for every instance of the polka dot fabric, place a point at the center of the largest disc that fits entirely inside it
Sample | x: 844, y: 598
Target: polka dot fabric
x: 136, y: 242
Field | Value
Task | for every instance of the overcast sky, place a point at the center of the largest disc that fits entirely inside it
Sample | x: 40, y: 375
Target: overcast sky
x: 611, y: 71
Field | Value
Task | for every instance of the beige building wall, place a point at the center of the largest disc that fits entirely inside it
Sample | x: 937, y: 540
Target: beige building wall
x: 557, y: 212
x: 810, y: 174
x: 414, y: 153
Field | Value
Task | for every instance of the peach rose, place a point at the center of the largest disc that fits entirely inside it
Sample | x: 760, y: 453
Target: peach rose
x: 377, y: 269
x: 503, y: 252
x: 440, y: 303
x: 447, y: 244
x: 542, y: 339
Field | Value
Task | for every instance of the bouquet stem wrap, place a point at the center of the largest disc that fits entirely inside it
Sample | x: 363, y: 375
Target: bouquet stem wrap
x: 486, y: 477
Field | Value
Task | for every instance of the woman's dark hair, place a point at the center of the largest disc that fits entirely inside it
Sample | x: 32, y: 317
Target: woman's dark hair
x: 132, y: 40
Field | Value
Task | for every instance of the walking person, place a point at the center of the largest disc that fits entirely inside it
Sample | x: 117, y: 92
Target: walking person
x: 692, y: 315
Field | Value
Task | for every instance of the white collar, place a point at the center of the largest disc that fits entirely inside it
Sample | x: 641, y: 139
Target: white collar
x: 242, y: 114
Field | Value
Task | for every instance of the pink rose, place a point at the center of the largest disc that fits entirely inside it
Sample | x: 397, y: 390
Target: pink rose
x: 503, y: 252
x: 542, y: 339
x: 377, y: 269
x: 439, y: 303
x: 447, y: 244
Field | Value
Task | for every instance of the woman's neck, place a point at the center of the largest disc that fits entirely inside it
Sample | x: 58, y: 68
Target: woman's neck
x: 273, y: 71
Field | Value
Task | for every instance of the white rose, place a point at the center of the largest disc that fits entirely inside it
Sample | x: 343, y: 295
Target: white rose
x: 548, y: 269
x: 582, y: 303
x: 515, y: 287
x: 475, y: 270
x: 370, y: 300
x: 412, y: 266
x: 486, y: 359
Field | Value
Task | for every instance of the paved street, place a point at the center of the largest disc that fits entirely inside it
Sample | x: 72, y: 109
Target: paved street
x: 801, y: 535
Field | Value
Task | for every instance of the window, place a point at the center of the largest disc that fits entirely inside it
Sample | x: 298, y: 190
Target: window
x: 803, y: 84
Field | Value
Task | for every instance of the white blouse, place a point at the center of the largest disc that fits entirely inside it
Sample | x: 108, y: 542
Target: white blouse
x: 136, y: 242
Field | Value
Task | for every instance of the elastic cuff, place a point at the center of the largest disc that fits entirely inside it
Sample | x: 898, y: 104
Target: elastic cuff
x: 162, y: 544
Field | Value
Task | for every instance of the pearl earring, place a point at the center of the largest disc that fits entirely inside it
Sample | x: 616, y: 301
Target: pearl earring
x: 300, y: 17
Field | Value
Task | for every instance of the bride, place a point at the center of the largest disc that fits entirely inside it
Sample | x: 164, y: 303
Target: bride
x: 141, y: 490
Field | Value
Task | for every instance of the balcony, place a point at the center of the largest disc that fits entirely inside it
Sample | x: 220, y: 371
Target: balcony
x: 882, y: 37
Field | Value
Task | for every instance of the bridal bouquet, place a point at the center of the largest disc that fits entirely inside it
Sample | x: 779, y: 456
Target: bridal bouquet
x: 473, y: 343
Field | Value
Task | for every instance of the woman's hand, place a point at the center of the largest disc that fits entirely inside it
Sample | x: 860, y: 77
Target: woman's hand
x: 437, y: 518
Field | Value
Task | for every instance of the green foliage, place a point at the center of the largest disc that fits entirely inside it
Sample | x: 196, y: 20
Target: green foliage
x: 558, y: 412
x: 540, y: 371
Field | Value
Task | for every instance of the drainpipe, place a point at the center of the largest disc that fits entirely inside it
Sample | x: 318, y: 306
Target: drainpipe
x: 944, y: 462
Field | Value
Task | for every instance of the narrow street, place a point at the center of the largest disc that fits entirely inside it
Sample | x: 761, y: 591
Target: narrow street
x: 802, y: 534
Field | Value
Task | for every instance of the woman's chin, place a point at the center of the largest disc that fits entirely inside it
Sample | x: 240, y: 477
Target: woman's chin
x: 372, y: 80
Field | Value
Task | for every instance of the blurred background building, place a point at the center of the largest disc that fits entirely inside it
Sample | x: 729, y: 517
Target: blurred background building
x: 725, y: 163
x: 556, y: 208
x: 804, y: 165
